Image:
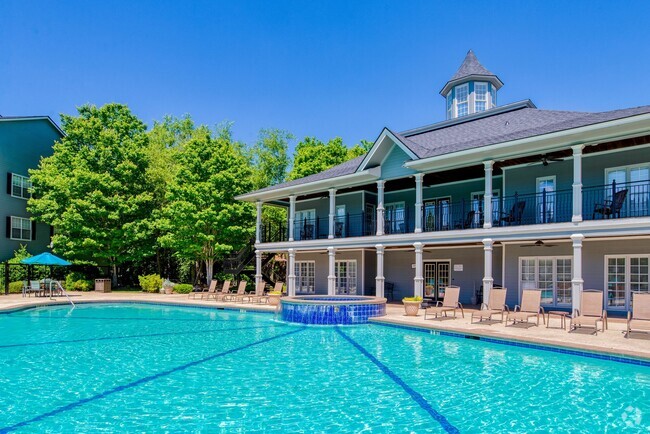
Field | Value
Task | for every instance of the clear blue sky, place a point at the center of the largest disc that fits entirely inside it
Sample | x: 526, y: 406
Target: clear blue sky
x: 324, y: 69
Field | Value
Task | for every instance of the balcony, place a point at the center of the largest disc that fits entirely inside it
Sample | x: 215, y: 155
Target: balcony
x: 611, y: 201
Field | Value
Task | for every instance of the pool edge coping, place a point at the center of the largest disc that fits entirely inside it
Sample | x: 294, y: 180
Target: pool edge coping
x: 589, y: 351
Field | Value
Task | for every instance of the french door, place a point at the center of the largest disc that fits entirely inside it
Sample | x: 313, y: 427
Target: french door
x: 624, y: 276
x: 437, y: 276
x: 346, y: 277
x: 552, y: 275
x: 370, y: 227
x: 546, y: 199
x: 437, y: 214
x: 305, y: 225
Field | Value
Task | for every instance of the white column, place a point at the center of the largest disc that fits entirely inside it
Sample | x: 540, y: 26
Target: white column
x: 379, y: 280
x: 487, y: 197
x: 577, y: 183
x: 292, y: 215
x: 418, y: 201
x: 331, y: 276
x: 258, y: 270
x: 488, y: 281
x: 418, y: 280
x: 380, y: 207
x: 258, y: 222
x: 291, y: 284
x: 332, y: 212
x: 577, y: 283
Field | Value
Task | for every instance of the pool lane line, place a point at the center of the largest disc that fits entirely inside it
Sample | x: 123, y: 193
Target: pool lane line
x: 416, y: 396
x: 115, y: 338
x: 142, y: 381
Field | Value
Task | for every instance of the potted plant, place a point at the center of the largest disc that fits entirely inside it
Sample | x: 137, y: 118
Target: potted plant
x: 412, y: 305
x: 168, y: 286
x: 274, y: 297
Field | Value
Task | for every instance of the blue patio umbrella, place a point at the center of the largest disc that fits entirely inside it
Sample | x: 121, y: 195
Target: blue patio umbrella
x: 46, y: 258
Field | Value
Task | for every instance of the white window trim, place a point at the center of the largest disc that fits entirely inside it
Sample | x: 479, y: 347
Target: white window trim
x: 456, y: 101
x: 300, y: 277
x: 627, y: 170
x: 11, y: 230
x: 23, y: 178
x: 628, y: 289
x: 537, y: 258
x: 485, y: 100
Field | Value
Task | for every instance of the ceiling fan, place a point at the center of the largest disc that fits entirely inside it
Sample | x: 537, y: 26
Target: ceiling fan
x: 546, y: 160
x: 538, y: 243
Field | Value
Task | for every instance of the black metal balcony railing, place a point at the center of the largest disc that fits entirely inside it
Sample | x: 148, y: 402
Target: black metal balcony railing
x: 445, y: 216
x: 273, y: 233
x: 616, y: 200
x: 396, y: 221
x: 535, y: 208
x: 355, y: 225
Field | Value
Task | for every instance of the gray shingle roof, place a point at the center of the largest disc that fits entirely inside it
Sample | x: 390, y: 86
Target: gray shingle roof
x: 479, y: 130
x: 470, y: 66
x: 512, y: 125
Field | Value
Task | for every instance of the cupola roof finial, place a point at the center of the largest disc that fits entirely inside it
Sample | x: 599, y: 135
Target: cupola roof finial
x: 471, y: 69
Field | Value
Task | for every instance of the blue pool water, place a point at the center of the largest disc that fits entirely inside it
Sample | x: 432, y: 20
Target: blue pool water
x: 153, y: 368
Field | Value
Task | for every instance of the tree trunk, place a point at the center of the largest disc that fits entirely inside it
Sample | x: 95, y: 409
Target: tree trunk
x: 114, y: 276
x: 158, y: 265
x: 209, y: 268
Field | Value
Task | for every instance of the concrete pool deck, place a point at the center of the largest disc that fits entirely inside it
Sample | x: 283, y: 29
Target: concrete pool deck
x: 611, y: 341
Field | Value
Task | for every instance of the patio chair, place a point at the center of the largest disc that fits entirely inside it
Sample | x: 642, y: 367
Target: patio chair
x: 467, y: 223
x: 240, y: 294
x: 307, y: 232
x: 639, y: 319
x: 197, y: 290
x: 611, y: 208
x: 35, y: 287
x: 448, y: 304
x: 225, y: 290
x: 212, y: 289
x: 338, y: 229
x: 515, y: 215
x: 591, y: 311
x: 259, y: 296
x: 496, y: 305
x: 531, y: 300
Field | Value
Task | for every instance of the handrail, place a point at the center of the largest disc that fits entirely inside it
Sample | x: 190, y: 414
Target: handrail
x: 63, y: 291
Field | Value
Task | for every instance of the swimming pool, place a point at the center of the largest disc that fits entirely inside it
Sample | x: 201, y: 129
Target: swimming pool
x: 156, y: 368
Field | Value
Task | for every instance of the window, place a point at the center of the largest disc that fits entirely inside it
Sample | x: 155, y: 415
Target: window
x: 395, y: 218
x: 346, y: 277
x: 305, y: 276
x: 636, y: 179
x: 625, y: 275
x: 493, y: 96
x: 305, y: 225
x: 462, y: 104
x: 21, y: 229
x: 20, y: 186
x: 480, y: 96
x: 450, y: 105
x: 339, y: 221
x: 477, y: 200
x: 546, y: 199
x: 550, y: 274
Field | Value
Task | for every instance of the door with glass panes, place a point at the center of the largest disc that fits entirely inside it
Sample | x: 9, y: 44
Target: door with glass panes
x: 552, y: 275
x: 437, y: 214
x: 346, y: 277
x: 625, y: 275
x: 436, y: 278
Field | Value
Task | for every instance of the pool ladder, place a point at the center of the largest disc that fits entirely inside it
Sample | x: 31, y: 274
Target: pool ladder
x: 63, y: 291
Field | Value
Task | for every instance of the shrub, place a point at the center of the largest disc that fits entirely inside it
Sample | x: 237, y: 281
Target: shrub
x: 150, y: 283
x: 16, y: 287
x: 412, y: 299
x: 71, y: 278
x: 183, y: 288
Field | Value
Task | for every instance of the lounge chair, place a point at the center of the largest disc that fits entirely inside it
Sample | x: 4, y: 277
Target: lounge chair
x: 639, y: 319
x: 239, y: 295
x: 225, y: 290
x: 591, y: 311
x: 496, y: 305
x: 212, y: 289
x: 448, y: 304
x: 531, y: 300
x: 259, y: 296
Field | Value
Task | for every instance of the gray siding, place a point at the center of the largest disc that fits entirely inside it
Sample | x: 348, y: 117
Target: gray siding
x: 22, y: 144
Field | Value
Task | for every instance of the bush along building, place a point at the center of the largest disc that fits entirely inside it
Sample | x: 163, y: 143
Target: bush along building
x: 23, y: 141
x: 507, y: 195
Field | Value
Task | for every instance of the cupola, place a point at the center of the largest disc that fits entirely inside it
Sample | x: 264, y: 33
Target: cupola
x: 472, y: 89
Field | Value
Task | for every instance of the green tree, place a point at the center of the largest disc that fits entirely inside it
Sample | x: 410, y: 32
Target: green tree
x: 94, y: 189
x: 270, y: 158
x: 313, y: 156
x: 203, y: 220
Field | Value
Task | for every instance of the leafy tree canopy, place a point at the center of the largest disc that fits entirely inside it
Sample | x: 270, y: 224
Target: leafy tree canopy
x: 94, y: 190
x: 313, y: 156
x: 203, y: 219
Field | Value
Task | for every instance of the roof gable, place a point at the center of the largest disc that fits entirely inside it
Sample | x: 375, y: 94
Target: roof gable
x: 382, y: 147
